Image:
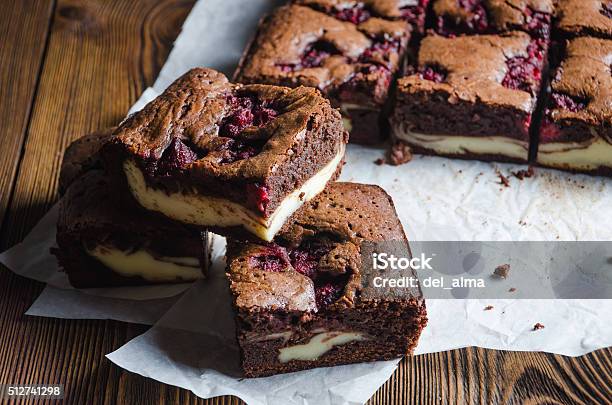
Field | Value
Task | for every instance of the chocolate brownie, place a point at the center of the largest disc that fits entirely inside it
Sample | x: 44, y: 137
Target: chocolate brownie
x: 353, y: 64
x: 358, y: 11
x: 576, y: 131
x: 584, y: 18
x: 309, y: 299
x: 81, y: 156
x: 100, y: 245
x: 455, y: 17
x: 471, y: 96
x: 235, y: 159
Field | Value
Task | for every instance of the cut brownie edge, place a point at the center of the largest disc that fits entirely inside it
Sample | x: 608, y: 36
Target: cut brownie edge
x: 591, y: 157
x: 219, y: 213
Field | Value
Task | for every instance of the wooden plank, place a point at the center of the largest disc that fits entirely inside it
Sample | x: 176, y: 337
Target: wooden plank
x: 100, y: 56
x: 24, y: 26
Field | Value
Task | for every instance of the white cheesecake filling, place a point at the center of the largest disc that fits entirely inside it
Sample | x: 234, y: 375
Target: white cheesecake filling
x: 201, y: 210
x: 579, y: 156
x: 318, y: 345
x: 463, y: 145
x: 142, y: 263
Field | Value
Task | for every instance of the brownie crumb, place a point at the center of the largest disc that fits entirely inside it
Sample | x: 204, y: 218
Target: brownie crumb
x: 379, y: 161
x: 502, y: 271
x: 524, y: 174
x: 399, y: 154
x: 538, y: 326
x: 512, y: 289
x: 503, y: 180
x: 301, y: 196
x: 488, y: 307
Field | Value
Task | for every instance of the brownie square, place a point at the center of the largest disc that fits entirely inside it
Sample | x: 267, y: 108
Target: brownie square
x: 235, y: 159
x: 81, y: 156
x: 471, y: 96
x: 584, y: 18
x: 576, y: 130
x: 309, y: 298
x: 456, y: 17
x: 358, y: 11
x: 103, y: 245
x: 352, y: 64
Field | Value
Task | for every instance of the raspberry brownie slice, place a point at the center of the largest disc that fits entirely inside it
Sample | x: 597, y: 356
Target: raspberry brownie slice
x: 456, y: 17
x: 576, y: 131
x: 235, y: 159
x: 584, y: 18
x: 359, y: 11
x: 352, y: 64
x: 309, y: 299
x: 471, y: 96
x: 101, y: 244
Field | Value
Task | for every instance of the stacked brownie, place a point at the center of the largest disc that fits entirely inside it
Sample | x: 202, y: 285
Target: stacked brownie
x: 254, y: 163
x: 350, y: 50
x: 104, y: 244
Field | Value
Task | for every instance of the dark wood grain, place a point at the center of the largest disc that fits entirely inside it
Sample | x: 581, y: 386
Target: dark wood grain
x: 24, y: 26
x: 87, y: 63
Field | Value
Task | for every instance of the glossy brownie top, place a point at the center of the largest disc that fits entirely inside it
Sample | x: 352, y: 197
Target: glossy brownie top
x: 207, y: 127
x: 493, y: 16
x: 297, y: 45
x: 585, y: 17
x: 499, y: 70
x: 582, y: 86
x: 81, y: 156
x: 315, y: 262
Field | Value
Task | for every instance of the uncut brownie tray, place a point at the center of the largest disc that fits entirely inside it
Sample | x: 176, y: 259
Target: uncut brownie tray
x: 308, y: 299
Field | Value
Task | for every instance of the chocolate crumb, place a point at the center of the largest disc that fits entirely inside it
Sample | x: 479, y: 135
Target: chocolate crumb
x: 400, y: 153
x: 379, y: 161
x: 524, y: 174
x: 503, y: 180
x: 488, y: 307
x: 538, y: 326
x: 301, y: 196
x: 502, y: 271
x: 512, y: 289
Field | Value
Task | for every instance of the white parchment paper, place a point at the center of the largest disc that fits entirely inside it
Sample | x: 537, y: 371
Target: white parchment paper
x: 193, y: 346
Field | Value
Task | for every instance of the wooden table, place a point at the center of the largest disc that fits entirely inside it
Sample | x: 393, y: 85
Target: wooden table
x: 69, y: 67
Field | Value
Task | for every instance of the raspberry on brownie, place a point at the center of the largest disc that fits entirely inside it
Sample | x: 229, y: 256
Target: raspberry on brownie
x: 358, y: 11
x: 235, y: 159
x: 456, y: 17
x: 353, y: 64
x: 576, y: 130
x: 584, y: 18
x: 104, y: 245
x: 471, y: 96
x: 308, y: 299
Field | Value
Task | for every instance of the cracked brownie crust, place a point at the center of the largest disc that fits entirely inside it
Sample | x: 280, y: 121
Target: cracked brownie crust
x: 102, y: 245
x: 485, y: 86
x: 493, y: 16
x: 310, y: 285
x: 251, y: 145
x: 576, y: 131
x: 353, y: 64
x: 584, y: 17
